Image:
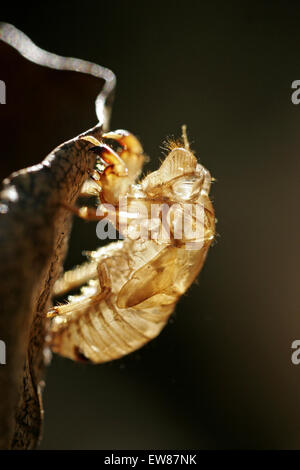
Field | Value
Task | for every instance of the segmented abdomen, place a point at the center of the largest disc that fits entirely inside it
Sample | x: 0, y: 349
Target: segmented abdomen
x: 102, y: 332
x: 93, y: 328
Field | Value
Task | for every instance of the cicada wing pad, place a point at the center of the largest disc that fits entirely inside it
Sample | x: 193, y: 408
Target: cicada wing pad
x: 178, y: 163
x: 154, y: 278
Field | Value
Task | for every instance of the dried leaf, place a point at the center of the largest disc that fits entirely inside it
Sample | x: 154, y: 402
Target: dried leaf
x: 34, y: 231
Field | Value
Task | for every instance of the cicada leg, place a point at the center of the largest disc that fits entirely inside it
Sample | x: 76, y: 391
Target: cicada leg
x: 85, y: 212
x: 105, y: 289
x: 75, y: 278
x: 107, y: 155
x: 104, y: 279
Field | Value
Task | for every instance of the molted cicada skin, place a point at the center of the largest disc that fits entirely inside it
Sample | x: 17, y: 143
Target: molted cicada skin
x: 131, y: 286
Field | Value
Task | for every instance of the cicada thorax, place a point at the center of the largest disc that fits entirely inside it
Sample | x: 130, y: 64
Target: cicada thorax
x: 138, y: 281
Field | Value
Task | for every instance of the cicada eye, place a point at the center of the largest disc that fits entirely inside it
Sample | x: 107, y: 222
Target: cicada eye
x: 187, y: 188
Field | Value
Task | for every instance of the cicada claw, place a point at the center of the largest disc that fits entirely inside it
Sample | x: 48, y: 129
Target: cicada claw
x: 108, y: 155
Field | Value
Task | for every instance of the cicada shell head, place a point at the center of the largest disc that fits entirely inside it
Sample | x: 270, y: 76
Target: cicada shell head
x: 131, y: 152
x: 120, y: 161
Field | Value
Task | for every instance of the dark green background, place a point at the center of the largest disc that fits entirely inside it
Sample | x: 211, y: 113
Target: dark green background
x: 220, y: 374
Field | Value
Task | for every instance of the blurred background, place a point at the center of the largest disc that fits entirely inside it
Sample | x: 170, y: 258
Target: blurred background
x: 220, y: 374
